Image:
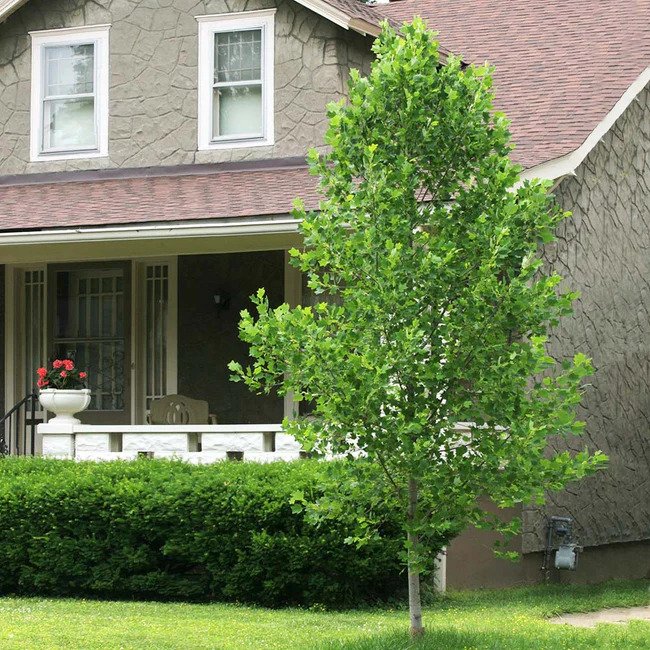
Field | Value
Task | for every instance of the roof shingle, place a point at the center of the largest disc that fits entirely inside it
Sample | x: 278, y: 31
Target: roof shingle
x: 561, y: 65
x: 224, y: 191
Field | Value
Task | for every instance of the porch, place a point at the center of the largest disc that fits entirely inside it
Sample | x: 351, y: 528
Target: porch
x: 144, y: 327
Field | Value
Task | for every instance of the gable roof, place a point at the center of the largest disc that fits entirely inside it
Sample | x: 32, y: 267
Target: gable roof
x: 565, y: 70
x: 349, y: 14
x: 563, y: 67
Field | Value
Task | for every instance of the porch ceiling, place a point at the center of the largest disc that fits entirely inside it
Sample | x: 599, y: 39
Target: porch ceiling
x: 189, y: 193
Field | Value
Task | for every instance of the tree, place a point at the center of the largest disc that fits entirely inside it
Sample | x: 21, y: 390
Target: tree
x: 431, y: 247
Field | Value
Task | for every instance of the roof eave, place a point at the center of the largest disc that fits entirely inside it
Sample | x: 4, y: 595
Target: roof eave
x: 345, y: 19
x: 568, y: 163
x: 273, y: 224
x: 7, y: 7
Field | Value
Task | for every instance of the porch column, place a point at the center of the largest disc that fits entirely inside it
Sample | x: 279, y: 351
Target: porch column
x: 440, y: 572
x: 293, y: 297
x: 58, y: 441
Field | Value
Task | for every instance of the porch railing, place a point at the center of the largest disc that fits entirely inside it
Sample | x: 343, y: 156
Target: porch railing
x: 18, y: 428
x: 192, y: 442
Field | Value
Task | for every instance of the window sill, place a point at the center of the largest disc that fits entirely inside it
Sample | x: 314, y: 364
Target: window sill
x: 235, y: 144
x: 67, y: 155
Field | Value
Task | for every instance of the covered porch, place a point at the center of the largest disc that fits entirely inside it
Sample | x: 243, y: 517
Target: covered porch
x: 148, y: 312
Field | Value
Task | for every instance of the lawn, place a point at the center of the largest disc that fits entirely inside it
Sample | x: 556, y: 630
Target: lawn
x: 489, y: 619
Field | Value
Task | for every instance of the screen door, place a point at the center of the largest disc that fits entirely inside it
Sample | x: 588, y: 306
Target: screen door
x: 90, y: 323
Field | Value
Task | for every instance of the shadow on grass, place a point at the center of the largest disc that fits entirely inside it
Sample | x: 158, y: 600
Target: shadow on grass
x: 548, y: 600
x: 515, y: 620
x: 438, y: 640
x: 605, y: 637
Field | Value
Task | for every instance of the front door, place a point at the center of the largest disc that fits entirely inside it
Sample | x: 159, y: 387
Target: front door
x: 90, y: 322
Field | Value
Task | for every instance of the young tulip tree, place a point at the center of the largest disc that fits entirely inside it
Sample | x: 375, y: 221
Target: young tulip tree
x: 431, y: 247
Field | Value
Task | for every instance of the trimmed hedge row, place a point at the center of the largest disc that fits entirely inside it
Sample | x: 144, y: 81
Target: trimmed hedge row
x: 169, y: 530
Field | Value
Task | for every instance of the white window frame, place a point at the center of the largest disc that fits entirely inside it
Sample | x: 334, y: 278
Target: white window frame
x: 208, y: 27
x: 98, y: 36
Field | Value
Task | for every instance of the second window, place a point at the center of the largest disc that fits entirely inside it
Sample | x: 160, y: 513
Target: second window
x: 236, y: 80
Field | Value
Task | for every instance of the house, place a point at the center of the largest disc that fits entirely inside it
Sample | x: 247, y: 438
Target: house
x: 149, y: 154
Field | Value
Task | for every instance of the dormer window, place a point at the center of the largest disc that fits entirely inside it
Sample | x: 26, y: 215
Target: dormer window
x: 69, y: 113
x: 236, y: 80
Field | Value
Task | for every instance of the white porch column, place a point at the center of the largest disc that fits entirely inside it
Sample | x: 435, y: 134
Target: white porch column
x: 440, y: 572
x: 293, y: 297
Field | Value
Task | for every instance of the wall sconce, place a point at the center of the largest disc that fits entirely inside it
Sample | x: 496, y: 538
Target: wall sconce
x: 221, y: 300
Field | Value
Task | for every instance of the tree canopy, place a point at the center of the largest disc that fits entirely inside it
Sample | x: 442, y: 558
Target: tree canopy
x: 427, y: 353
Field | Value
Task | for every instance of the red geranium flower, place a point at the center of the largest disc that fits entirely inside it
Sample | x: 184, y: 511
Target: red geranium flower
x: 62, y: 374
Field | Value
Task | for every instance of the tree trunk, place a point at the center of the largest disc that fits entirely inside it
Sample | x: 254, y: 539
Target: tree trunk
x: 415, y: 604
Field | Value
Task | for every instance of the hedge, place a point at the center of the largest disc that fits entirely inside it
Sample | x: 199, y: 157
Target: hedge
x: 170, y: 530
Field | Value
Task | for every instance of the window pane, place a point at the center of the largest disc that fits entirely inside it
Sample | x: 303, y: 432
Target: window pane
x: 89, y: 329
x: 237, y: 111
x: 69, y: 123
x: 238, y: 56
x: 69, y: 69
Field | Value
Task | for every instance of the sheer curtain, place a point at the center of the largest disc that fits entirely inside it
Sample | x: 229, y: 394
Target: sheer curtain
x: 69, y: 98
x: 237, y: 90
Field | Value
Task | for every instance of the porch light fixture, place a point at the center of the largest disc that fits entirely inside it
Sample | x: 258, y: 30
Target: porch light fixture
x: 221, y: 300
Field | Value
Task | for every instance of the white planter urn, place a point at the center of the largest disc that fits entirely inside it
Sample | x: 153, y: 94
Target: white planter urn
x: 64, y: 404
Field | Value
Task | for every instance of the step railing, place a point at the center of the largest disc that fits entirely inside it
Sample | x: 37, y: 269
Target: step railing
x: 18, y: 428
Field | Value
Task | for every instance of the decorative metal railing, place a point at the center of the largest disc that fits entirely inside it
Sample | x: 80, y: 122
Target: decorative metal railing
x: 18, y: 428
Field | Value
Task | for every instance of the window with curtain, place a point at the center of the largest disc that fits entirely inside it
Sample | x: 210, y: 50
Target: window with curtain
x: 69, y: 93
x: 69, y: 97
x: 236, y: 79
x: 237, y: 97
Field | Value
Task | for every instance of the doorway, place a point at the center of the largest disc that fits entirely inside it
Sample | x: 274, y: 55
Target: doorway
x: 89, y: 321
x: 116, y: 319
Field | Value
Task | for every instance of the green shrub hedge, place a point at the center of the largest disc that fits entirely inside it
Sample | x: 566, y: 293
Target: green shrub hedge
x: 169, y: 530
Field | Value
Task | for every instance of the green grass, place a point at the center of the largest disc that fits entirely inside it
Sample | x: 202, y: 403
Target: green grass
x: 490, y: 619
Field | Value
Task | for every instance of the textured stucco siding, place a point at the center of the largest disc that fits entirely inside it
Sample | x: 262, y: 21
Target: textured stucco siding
x: 603, y: 251
x: 208, y: 338
x: 153, y: 78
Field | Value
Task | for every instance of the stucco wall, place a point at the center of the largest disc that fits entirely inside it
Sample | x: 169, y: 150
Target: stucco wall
x: 207, y: 337
x: 603, y: 251
x: 153, y: 78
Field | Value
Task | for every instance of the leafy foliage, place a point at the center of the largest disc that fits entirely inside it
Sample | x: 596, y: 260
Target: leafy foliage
x: 155, y: 529
x: 431, y: 247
